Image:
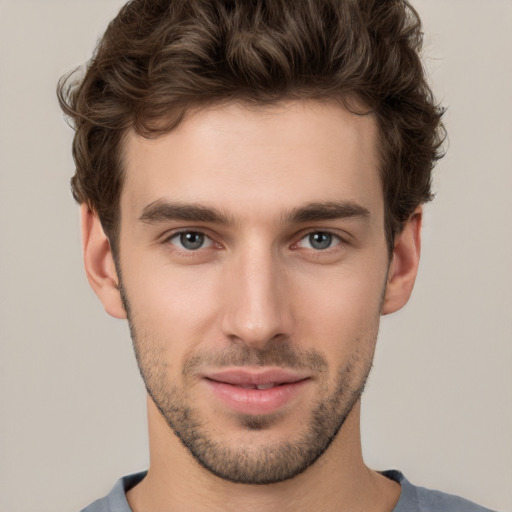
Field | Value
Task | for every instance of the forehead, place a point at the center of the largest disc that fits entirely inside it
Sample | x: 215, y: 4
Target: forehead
x: 256, y: 161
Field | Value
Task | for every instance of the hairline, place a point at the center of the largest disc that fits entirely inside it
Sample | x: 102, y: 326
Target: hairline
x: 349, y: 102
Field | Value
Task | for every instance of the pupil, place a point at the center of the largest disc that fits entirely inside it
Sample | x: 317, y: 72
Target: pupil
x: 320, y: 240
x: 192, y: 241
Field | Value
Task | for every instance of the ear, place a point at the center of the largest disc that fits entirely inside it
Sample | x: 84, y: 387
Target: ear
x: 99, y: 263
x: 404, y: 264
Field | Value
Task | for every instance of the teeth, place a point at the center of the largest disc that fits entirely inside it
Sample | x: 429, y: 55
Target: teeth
x: 265, y: 386
x: 258, y: 386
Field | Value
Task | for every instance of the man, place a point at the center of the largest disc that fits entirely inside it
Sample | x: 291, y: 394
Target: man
x: 251, y: 176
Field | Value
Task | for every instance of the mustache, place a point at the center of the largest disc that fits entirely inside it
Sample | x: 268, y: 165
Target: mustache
x: 280, y: 355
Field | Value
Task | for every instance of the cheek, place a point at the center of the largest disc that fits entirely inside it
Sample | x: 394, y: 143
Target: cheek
x: 172, y: 309
x: 341, y: 311
x: 335, y: 310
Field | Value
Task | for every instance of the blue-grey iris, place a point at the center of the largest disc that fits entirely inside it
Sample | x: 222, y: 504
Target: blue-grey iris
x: 192, y: 241
x: 320, y: 240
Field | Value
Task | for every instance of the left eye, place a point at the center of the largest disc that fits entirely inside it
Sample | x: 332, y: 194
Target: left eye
x: 319, y: 241
x: 190, y: 240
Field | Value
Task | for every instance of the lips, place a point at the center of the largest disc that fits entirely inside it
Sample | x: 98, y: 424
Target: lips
x: 259, y: 377
x: 256, y: 392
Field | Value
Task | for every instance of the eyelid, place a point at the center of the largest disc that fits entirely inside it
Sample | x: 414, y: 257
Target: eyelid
x: 170, y: 233
x: 341, y: 238
x: 336, y: 240
x: 173, y: 234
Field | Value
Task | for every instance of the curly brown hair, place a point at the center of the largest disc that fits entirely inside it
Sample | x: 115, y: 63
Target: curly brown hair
x: 160, y: 58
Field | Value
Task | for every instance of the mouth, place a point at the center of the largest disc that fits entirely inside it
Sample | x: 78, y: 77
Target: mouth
x: 262, y: 386
x: 256, y: 392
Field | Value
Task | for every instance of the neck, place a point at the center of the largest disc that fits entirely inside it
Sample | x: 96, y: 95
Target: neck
x: 339, y: 480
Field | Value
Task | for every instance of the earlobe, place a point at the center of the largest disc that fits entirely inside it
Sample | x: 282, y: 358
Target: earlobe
x: 404, y: 264
x: 99, y: 263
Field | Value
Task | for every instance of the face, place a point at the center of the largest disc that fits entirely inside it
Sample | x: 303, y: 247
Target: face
x: 254, y: 264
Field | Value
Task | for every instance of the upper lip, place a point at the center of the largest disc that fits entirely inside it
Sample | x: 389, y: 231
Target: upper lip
x: 259, y: 377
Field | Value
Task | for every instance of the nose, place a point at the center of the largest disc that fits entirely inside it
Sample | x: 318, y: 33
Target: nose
x: 257, y: 305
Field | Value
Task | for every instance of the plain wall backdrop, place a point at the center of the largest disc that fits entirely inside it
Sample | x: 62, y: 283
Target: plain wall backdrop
x: 72, y: 405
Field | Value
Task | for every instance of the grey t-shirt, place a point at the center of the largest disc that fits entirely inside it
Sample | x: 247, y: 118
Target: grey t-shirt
x: 412, y: 498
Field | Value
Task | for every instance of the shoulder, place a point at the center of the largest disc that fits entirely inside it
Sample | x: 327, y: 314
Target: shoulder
x: 421, y: 499
x: 433, y: 501
x: 115, y: 500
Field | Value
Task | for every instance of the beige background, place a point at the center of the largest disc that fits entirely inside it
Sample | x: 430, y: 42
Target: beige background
x: 438, y: 405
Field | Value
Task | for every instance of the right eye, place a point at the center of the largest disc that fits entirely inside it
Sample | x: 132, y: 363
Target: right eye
x: 190, y: 240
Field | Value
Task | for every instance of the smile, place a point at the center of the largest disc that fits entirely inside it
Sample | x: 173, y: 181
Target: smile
x: 256, y: 393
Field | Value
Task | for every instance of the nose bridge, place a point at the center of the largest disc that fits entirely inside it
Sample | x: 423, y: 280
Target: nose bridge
x: 256, y: 310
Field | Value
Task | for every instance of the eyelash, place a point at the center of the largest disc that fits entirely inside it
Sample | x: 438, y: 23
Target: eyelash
x: 296, y: 245
x: 179, y: 234
x: 334, y: 238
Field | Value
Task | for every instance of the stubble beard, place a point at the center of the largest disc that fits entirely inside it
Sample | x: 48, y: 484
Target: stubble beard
x: 270, y: 463
x: 266, y: 464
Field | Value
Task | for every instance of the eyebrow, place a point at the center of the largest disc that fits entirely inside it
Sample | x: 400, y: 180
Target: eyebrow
x: 162, y: 211
x: 329, y: 210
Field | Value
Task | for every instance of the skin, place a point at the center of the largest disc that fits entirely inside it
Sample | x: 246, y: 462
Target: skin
x: 255, y: 290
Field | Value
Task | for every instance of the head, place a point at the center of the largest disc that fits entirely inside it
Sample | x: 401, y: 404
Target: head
x: 160, y: 60
x: 250, y: 168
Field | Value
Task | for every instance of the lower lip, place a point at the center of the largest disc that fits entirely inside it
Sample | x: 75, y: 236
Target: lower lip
x: 256, y: 401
